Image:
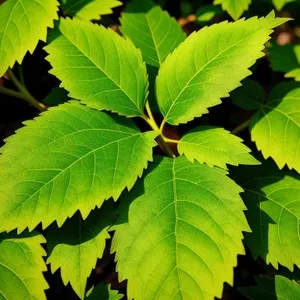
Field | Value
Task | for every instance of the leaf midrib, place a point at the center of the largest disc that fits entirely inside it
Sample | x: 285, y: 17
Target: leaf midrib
x: 176, y: 223
x: 153, y: 38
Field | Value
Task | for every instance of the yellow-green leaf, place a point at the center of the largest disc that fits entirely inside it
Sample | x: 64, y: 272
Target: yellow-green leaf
x: 208, y: 65
x: 22, y: 24
x: 184, y: 232
x: 70, y: 158
x: 99, y: 67
x: 22, y: 266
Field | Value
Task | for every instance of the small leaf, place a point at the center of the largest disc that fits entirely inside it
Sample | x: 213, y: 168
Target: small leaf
x: 22, y: 266
x: 89, y: 9
x: 216, y: 147
x: 275, y: 128
x: 152, y: 30
x: 99, y: 67
x: 249, y: 96
x: 235, y: 8
x: 273, y: 201
x: 56, y: 96
x: 294, y: 74
x: 183, y: 234
x: 270, y: 289
x: 286, y: 59
x: 102, y: 292
x: 208, y: 65
x: 22, y: 25
x: 207, y: 12
x: 70, y: 158
x: 279, y: 4
x: 76, y: 246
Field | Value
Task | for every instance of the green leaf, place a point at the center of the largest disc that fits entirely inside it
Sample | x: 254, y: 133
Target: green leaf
x: 208, y: 65
x: 89, y: 9
x: 249, y: 96
x: 76, y: 246
x: 294, y: 74
x: 273, y: 201
x: 275, y: 128
x: 286, y: 59
x: 279, y: 4
x: 22, y: 266
x: 22, y: 24
x: 71, y: 158
x: 99, y: 67
x: 102, y: 292
x: 235, y: 8
x: 183, y: 234
x: 207, y: 12
x: 215, y: 147
x: 56, y: 96
x: 270, y: 289
x: 152, y: 30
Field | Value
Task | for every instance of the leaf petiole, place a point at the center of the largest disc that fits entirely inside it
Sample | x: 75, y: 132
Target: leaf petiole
x: 24, y: 92
x: 161, y: 139
x: 241, y: 127
x: 172, y: 141
x: 12, y: 93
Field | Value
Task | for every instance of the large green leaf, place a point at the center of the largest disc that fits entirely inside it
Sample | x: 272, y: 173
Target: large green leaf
x: 99, y: 67
x: 273, y: 201
x: 216, y: 147
x: 208, y: 65
x: 275, y: 128
x: 249, y: 96
x: 22, y: 24
x: 235, y: 8
x: 286, y: 59
x: 102, y: 292
x: 183, y: 234
x: 279, y: 288
x: 152, y: 30
x: 22, y: 266
x: 88, y: 9
x: 71, y: 158
x: 76, y: 246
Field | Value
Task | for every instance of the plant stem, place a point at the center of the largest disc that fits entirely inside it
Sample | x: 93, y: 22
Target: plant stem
x: 165, y: 146
x: 161, y: 139
x: 26, y: 95
x: 241, y: 127
x: 171, y: 141
x: 161, y: 128
x: 149, y: 112
x: 12, y: 93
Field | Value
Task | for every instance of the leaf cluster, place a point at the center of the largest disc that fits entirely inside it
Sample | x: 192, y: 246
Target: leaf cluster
x: 86, y: 169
